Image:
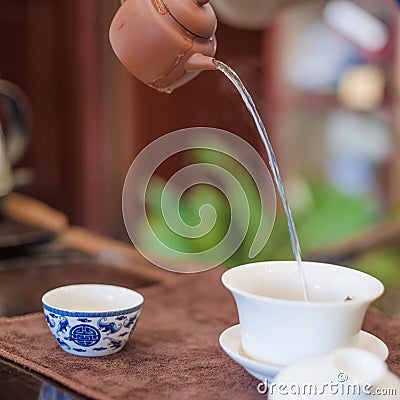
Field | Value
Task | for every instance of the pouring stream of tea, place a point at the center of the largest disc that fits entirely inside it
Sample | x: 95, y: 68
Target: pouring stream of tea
x: 234, y: 78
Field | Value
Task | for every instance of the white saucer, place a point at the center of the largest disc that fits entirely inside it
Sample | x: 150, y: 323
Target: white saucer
x: 231, y: 344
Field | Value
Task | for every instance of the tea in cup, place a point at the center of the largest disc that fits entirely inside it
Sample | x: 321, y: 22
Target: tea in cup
x: 279, y: 327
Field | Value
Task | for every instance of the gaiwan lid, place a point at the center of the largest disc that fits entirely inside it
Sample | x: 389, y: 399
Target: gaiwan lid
x: 196, y: 16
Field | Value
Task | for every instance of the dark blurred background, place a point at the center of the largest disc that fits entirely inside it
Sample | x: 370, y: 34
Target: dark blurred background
x: 90, y: 116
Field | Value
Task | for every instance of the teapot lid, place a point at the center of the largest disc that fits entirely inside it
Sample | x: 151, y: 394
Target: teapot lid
x: 196, y: 16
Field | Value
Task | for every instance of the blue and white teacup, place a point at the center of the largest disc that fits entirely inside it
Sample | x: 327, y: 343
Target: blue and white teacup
x: 91, y: 319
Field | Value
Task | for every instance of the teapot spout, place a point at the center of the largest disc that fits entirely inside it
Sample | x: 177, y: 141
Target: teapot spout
x: 200, y: 62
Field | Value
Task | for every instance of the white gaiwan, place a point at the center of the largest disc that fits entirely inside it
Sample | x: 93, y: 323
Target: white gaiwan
x: 347, y: 373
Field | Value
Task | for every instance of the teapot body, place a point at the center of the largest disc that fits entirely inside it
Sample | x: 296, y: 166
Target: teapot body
x: 154, y: 47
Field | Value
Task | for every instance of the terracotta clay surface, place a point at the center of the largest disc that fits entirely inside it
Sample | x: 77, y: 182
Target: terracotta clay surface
x: 155, y: 40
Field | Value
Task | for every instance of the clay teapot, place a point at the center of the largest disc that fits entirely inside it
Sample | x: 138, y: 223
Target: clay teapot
x: 165, y: 43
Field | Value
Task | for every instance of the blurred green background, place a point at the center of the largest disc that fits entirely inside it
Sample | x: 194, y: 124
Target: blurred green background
x: 324, y: 216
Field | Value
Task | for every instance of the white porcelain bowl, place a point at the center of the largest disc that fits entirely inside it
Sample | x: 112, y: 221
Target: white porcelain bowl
x: 345, y: 374
x: 92, y: 320
x: 277, y: 326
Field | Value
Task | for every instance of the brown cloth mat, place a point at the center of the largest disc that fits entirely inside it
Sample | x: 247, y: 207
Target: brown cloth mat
x: 172, y: 354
